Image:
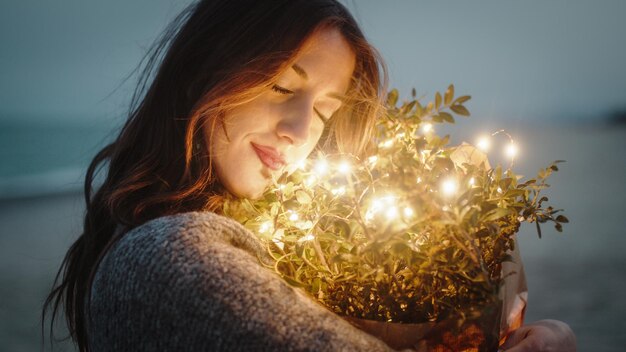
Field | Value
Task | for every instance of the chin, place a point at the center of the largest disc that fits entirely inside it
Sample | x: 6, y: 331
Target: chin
x: 249, y: 192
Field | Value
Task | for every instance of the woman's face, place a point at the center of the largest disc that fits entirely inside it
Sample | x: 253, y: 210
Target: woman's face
x: 269, y: 135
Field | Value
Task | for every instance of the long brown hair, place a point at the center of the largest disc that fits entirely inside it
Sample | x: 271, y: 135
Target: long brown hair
x: 214, y: 56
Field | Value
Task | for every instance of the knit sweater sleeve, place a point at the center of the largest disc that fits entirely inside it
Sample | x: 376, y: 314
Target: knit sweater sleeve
x: 193, y: 282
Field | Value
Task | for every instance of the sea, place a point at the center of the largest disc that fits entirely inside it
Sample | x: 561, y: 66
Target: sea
x: 48, y: 157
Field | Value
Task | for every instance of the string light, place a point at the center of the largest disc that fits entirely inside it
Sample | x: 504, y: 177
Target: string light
x: 449, y: 187
x: 339, y: 191
x: 310, y: 181
x: 294, y: 216
x: 344, y: 167
x: 472, y: 181
x: 265, y: 227
x: 391, y: 213
x: 321, y: 166
x: 483, y: 143
x: 511, y: 150
x: 301, y: 164
x: 427, y: 127
x: 306, y: 238
x: 386, y: 144
x: 408, y: 212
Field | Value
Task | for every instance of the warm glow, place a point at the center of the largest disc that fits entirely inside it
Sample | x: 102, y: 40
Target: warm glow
x: 265, y: 227
x: 310, y: 181
x: 511, y: 150
x: 372, y: 159
x: 339, y: 191
x: 386, y: 144
x: 344, y: 167
x: 321, y: 166
x: 308, y: 237
x: 391, y: 213
x: 294, y: 216
x: 301, y: 164
x: 427, y: 127
x: 408, y: 212
x: 472, y: 181
x: 483, y: 143
x: 449, y: 187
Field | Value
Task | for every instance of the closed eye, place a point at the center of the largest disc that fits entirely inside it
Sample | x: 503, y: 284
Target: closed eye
x: 281, y: 90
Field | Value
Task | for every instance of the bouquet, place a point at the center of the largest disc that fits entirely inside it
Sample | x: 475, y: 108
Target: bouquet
x: 408, y: 243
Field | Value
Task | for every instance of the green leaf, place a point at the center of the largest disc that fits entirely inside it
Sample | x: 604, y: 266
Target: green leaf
x: 460, y: 110
x: 303, y: 197
x: 496, y: 214
x: 562, y: 218
x: 446, y: 117
x: 449, y: 95
x: 392, y: 98
x: 461, y: 100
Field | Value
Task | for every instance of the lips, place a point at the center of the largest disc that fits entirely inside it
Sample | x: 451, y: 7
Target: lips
x: 269, y: 156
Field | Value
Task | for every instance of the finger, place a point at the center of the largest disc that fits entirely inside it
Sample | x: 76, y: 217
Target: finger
x: 524, y: 346
x: 515, y: 337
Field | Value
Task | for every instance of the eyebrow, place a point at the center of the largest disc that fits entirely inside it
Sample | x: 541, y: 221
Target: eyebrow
x: 302, y: 73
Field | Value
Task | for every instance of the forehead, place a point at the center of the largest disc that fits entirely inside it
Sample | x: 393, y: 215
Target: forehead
x: 327, y: 56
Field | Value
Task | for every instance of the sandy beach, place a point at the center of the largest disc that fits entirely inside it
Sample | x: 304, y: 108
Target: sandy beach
x: 577, y: 276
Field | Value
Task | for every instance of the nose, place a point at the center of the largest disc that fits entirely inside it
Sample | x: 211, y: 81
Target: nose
x: 295, y: 122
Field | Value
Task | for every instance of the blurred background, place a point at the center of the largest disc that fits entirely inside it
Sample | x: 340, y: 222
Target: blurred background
x: 550, y: 73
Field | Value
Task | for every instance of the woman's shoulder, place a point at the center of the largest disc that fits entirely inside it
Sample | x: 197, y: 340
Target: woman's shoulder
x: 185, y: 248
x: 188, y: 231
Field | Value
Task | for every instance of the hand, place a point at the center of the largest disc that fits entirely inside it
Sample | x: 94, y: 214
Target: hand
x: 543, y: 335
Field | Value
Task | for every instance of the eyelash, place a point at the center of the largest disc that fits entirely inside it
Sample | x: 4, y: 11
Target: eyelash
x: 285, y: 91
x: 281, y: 90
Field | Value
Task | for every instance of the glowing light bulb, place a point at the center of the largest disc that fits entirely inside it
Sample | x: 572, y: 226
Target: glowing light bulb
x: 344, y: 167
x: 321, y: 166
x: 391, y: 213
x: 265, y: 227
x: 472, y: 181
x: 408, y: 212
x: 373, y: 159
x: 483, y: 143
x: 310, y: 181
x: 449, y: 187
x: 511, y: 150
x: 294, y: 216
x: 301, y: 164
x: 339, y: 191
x: 419, y: 180
x: 376, y: 205
x: 386, y: 144
x: 427, y: 127
x: 308, y: 237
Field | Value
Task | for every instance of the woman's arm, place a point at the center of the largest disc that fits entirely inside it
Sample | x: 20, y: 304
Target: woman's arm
x: 193, y: 282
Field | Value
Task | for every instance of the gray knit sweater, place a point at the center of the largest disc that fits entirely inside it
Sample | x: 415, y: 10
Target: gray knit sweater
x: 193, y: 282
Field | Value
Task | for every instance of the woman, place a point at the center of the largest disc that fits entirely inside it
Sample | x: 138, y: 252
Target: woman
x: 243, y: 91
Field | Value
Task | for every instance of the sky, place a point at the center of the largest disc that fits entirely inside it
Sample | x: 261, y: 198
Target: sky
x: 557, y: 60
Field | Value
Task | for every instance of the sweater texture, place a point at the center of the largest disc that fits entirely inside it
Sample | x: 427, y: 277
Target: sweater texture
x: 195, y: 282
